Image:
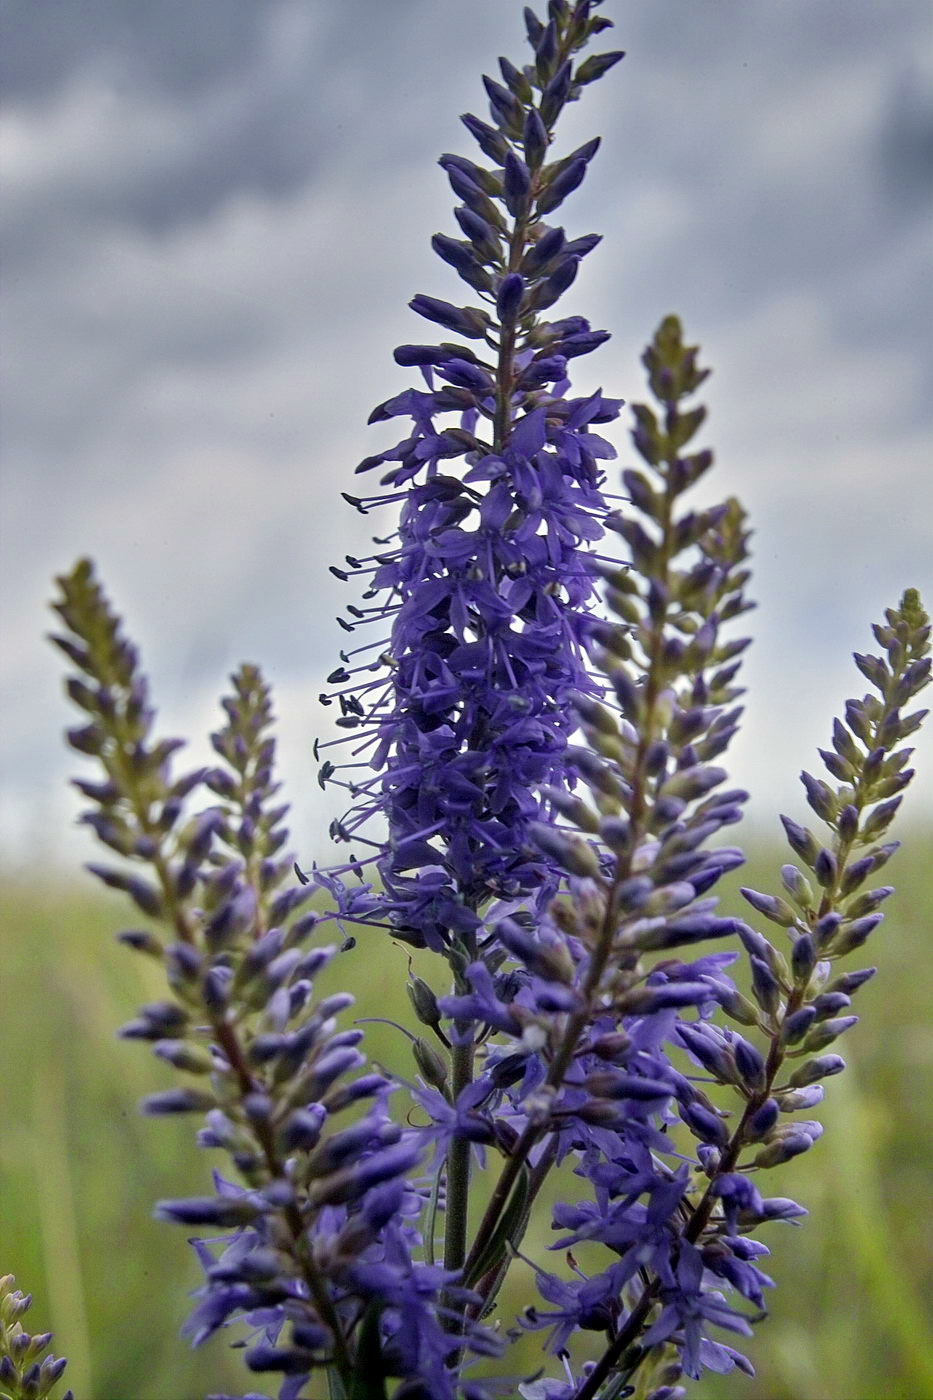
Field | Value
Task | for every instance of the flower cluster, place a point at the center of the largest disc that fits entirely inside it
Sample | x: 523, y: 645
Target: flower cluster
x: 323, y: 1210
x: 540, y: 733
x: 487, y: 585
x: 795, y: 1008
x: 25, y: 1374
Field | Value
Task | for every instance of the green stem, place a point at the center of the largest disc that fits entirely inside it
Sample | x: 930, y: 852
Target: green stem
x: 458, y: 1167
x: 431, y: 1228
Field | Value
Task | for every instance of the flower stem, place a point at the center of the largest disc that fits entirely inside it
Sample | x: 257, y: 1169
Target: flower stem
x: 458, y: 1167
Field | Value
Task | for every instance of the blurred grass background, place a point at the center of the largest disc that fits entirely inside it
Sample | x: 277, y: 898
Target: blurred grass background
x: 80, y: 1170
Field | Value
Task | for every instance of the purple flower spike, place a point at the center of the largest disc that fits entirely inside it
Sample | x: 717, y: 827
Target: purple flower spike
x: 486, y: 584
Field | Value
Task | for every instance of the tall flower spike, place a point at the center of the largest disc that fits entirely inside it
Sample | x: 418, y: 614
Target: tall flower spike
x: 798, y: 1008
x: 323, y: 1214
x: 487, y: 584
x: 593, y: 1005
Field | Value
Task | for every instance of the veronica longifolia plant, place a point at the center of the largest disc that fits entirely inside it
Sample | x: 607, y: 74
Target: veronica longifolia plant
x: 536, y: 798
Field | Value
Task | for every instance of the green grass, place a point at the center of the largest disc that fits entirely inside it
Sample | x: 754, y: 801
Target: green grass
x: 79, y: 1169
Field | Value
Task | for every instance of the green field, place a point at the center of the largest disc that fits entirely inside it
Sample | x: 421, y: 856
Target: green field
x: 79, y: 1169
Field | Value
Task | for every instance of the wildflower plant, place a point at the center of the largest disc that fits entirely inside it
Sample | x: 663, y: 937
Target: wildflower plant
x: 536, y: 801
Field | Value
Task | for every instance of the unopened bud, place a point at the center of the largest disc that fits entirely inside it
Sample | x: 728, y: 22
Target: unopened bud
x: 423, y: 1001
x: 430, y: 1062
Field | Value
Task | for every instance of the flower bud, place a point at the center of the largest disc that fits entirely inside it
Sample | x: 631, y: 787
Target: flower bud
x: 509, y: 296
x: 750, y: 1063
x: 431, y: 1063
x: 782, y: 1149
x: 762, y: 1121
x: 792, y: 1100
x: 797, y: 886
x: 803, y: 958
x: 813, y: 1070
x: 423, y: 1001
x: 765, y: 987
x: 827, y: 1031
x: 571, y: 854
x: 773, y: 908
x: 797, y: 1025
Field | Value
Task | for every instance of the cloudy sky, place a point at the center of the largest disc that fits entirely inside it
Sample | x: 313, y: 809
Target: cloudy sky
x: 215, y: 213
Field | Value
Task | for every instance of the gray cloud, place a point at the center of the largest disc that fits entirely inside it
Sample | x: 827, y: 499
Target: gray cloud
x: 153, y: 116
x: 905, y: 145
x: 171, y: 46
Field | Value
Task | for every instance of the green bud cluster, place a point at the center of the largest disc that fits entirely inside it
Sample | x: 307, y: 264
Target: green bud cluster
x: 240, y: 1023
x: 827, y: 914
x: 669, y: 674
x: 25, y: 1374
